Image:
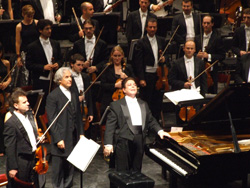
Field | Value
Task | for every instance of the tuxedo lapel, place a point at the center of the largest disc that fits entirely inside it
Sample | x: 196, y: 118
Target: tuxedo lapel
x: 138, y: 19
x: 196, y: 67
x: 183, y: 68
x: 148, y: 45
x: 143, y: 113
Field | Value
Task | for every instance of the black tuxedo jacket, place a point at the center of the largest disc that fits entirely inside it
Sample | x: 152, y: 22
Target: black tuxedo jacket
x: 36, y: 58
x: 36, y: 4
x: 242, y: 69
x: 16, y: 140
x: 74, y: 36
x: 144, y: 55
x: 180, y: 36
x: 134, y: 30
x: 100, y: 56
x: 88, y: 98
x: 67, y: 123
x: 215, y: 47
x: 239, y: 40
x: 178, y: 75
x: 119, y: 122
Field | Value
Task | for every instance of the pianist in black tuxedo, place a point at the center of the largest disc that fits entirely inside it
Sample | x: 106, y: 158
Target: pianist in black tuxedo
x: 125, y: 131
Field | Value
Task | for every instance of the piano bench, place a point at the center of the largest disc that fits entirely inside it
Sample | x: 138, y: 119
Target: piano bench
x: 130, y: 180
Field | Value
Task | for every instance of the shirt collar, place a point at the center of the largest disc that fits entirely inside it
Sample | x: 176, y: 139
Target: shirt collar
x: 188, y: 60
x: 75, y: 74
x: 151, y: 38
x: 208, y: 35
x: 146, y: 13
x: 22, y: 117
x: 187, y: 16
x: 43, y: 41
x: 130, y: 99
x: 63, y: 89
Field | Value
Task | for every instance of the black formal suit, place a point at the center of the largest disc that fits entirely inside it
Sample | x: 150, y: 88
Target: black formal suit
x: 88, y: 97
x: 242, y: 69
x: 178, y: 75
x: 36, y: 4
x: 74, y: 36
x: 215, y: 47
x: 68, y: 128
x: 180, y: 36
x: 108, y: 81
x: 119, y: 129
x: 144, y: 57
x: 18, y: 149
x: 100, y: 56
x: 134, y: 27
x: 239, y: 40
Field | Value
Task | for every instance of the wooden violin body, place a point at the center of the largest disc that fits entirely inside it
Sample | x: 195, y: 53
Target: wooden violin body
x: 118, y: 94
x: 186, y: 113
x: 162, y: 82
x: 210, y: 81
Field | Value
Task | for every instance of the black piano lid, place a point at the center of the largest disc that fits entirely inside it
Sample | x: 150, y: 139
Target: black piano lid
x: 237, y: 97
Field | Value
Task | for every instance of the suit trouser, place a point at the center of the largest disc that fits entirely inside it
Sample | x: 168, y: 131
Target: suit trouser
x: 63, y: 172
x: 129, y: 154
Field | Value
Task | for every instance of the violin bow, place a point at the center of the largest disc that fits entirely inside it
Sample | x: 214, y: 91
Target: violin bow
x: 162, y: 5
x: 169, y: 42
x: 77, y: 21
x: 113, y: 6
x: 9, y: 73
x: 38, y: 142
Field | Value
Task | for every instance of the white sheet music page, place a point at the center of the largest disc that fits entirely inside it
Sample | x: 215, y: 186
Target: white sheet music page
x: 183, y: 95
x: 83, y: 153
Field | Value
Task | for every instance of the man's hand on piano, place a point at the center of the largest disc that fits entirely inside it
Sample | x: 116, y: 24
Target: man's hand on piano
x: 108, y: 149
x: 162, y: 133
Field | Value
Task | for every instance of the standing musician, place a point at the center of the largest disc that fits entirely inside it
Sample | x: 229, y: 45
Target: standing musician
x: 43, y: 57
x: 4, y: 71
x: 241, y: 38
x: 127, y: 124
x: 210, y: 49
x: 80, y: 82
x: 111, y: 80
x: 20, y: 137
x: 147, y: 56
x: 87, y: 13
x: 67, y: 129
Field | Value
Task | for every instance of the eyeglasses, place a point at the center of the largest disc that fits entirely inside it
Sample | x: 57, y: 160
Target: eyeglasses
x: 246, y: 17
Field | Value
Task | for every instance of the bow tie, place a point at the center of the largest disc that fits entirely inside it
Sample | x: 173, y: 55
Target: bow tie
x: 189, y: 61
x: 205, y: 36
x: 188, y: 16
x: 144, y: 15
x: 90, y: 41
x: 45, y: 42
x: 247, y: 28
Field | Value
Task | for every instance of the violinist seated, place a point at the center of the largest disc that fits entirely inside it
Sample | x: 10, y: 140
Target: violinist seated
x: 111, y: 79
x: 185, y: 69
x: 241, y: 37
x: 242, y: 72
x: 20, y: 137
x: 209, y: 47
x: 147, y: 59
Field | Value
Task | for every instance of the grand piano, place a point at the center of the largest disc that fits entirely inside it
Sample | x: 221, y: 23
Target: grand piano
x: 215, y: 146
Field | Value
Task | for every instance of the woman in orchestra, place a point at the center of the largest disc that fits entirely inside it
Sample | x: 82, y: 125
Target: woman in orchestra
x: 4, y: 70
x: 26, y: 33
x: 112, y: 78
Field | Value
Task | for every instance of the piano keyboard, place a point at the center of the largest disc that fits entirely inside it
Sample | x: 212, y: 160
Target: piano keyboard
x: 183, y: 168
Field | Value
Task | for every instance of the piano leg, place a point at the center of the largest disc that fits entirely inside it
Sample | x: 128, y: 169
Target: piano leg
x: 164, y: 172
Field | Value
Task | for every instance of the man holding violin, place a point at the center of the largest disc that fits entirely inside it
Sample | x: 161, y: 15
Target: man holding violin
x: 20, y: 137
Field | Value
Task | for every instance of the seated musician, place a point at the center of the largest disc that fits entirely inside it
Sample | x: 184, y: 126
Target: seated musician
x: 111, y: 80
x: 126, y: 129
x: 20, y: 137
x: 87, y: 10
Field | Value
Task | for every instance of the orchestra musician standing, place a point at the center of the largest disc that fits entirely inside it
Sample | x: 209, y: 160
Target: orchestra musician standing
x: 210, y: 49
x: 68, y: 128
x: 43, y: 57
x: 147, y: 56
x: 20, y: 137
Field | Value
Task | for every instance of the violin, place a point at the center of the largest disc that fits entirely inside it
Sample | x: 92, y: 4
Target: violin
x: 84, y: 109
x: 210, y: 81
x: 162, y: 73
x: 118, y: 94
x: 186, y: 113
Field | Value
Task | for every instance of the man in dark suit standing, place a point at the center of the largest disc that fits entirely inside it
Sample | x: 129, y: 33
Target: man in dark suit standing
x: 20, y: 137
x: 147, y: 55
x: 127, y: 124
x: 43, y: 57
x: 136, y: 21
x: 241, y: 38
x: 68, y: 128
x: 187, y: 68
x: 210, y: 49
x: 188, y: 22
x: 87, y: 13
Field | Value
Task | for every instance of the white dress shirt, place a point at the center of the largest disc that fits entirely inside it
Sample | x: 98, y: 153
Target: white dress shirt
x: 79, y: 81
x: 66, y: 92
x: 89, y: 46
x: 143, y: 16
x: 48, y: 53
x: 189, y: 26
x: 134, y: 110
x: 247, y: 31
x: 48, y: 10
x: 248, y: 80
x: 28, y: 128
x: 154, y: 46
x: 189, y: 63
x: 206, y: 39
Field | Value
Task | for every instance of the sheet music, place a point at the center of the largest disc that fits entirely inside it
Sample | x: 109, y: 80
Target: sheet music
x: 83, y: 153
x: 183, y: 95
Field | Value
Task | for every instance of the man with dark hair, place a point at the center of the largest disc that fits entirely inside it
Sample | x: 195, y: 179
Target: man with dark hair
x: 188, y: 22
x: 209, y: 47
x: 136, y: 21
x: 241, y: 38
x: 127, y: 124
x: 87, y: 10
x: 20, y: 137
x: 68, y: 128
x: 147, y: 55
x: 43, y: 57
